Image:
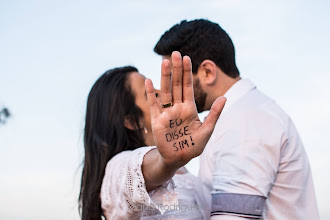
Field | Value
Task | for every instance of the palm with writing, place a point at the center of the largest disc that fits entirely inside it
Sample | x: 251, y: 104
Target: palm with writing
x: 178, y: 133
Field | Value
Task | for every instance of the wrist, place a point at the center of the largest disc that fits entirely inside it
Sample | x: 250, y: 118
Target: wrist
x: 170, y: 166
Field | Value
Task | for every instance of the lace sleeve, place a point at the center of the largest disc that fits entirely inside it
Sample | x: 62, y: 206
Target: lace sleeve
x: 123, y: 191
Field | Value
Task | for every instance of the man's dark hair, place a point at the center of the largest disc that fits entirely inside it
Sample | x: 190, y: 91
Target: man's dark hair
x: 200, y: 40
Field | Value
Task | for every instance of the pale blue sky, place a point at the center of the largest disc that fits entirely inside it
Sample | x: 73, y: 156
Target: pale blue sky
x: 51, y: 53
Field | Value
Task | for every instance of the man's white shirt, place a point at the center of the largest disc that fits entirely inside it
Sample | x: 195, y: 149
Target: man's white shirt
x: 254, y: 164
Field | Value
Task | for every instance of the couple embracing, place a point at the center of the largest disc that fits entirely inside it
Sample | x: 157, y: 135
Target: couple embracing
x: 137, y: 140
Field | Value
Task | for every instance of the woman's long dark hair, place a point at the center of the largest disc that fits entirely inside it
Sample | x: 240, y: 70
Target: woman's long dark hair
x: 110, y: 101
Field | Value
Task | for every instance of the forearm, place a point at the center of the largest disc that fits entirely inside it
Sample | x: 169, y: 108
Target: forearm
x: 155, y: 171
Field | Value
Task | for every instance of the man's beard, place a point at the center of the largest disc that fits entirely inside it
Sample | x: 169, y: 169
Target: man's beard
x: 200, y: 96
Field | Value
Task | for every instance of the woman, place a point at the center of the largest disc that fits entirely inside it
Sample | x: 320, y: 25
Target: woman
x: 123, y: 180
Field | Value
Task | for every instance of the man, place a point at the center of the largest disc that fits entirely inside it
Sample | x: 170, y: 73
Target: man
x: 254, y: 164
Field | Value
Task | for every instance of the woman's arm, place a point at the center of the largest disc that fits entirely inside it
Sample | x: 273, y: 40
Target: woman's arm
x: 123, y: 192
x: 155, y: 171
x: 178, y: 133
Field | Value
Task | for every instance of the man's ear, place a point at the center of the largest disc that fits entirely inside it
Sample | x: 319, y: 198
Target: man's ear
x: 209, y: 71
x: 129, y: 124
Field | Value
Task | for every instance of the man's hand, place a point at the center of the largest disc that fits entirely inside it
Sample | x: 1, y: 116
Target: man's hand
x: 178, y: 133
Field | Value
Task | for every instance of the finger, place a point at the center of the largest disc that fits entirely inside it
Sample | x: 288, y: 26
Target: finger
x: 188, y: 90
x: 210, y: 121
x: 152, y: 100
x: 177, y: 77
x: 165, y: 87
x: 157, y: 92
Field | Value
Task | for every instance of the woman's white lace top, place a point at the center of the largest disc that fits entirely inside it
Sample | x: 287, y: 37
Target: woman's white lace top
x: 124, y: 195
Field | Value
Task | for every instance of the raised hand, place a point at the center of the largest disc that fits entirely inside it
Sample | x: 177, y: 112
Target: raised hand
x: 178, y: 133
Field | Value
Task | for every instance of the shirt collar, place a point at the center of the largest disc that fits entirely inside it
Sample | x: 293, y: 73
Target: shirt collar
x: 236, y: 91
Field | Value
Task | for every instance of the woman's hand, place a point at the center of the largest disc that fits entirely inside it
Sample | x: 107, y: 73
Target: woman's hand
x: 178, y: 133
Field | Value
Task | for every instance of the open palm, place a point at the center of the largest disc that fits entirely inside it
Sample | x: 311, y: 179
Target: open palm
x: 178, y: 133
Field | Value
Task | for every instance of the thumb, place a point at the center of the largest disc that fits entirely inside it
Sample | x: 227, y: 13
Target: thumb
x: 211, y: 119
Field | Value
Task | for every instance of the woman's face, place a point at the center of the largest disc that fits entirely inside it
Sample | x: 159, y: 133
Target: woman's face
x: 137, y: 85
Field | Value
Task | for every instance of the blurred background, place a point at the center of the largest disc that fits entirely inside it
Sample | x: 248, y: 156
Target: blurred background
x: 52, y: 52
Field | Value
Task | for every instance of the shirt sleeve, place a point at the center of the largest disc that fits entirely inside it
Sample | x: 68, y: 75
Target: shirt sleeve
x: 246, y: 157
x: 123, y: 192
x: 203, y: 197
